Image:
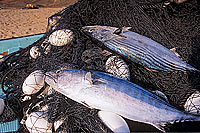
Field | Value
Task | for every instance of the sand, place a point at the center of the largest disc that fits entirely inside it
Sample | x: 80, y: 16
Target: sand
x: 15, y: 22
x: 41, y: 3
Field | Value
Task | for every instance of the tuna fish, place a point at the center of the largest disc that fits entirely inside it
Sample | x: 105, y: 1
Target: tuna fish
x: 108, y: 93
x: 138, y: 48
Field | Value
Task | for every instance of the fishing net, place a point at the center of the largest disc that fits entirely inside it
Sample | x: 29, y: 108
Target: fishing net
x: 171, y: 24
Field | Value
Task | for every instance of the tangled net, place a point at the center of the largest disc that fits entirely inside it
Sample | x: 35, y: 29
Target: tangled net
x: 173, y: 25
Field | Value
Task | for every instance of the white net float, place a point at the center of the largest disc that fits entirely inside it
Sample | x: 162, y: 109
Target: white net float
x: 115, y: 122
x: 116, y: 66
x: 33, y: 83
x: 34, y: 52
x: 192, y: 105
x: 61, y: 37
x: 46, y: 47
x: 37, y: 122
x: 2, y: 106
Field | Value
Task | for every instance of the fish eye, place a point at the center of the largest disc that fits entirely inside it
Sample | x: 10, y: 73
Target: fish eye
x: 90, y: 30
x: 59, y: 71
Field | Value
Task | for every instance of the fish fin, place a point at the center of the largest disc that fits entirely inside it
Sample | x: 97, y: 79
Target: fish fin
x: 127, y: 28
x: 93, y: 81
x: 159, y: 126
x: 151, y: 70
x: 174, y: 51
x: 161, y: 95
x: 88, y: 77
x: 99, y: 81
x: 106, y: 53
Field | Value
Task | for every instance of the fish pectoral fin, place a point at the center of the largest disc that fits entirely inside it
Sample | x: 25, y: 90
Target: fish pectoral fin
x: 88, y: 77
x: 99, y: 81
x: 120, y: 30
x: 174, y: 51
x: 94, y: 81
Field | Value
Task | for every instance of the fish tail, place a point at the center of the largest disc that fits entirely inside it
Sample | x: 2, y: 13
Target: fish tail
x: 191, y: 68
x: 165, y: 125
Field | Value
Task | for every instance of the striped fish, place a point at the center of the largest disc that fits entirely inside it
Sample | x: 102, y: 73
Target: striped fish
x: 138, y: 48
x: 108, y: 93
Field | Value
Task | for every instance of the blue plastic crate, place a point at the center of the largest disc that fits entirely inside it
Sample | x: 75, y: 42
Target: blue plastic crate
x: 8, y: 126
x: 12, y: 126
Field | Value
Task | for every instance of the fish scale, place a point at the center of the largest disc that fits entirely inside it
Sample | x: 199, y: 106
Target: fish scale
x: 137, y: 48
x: 105, y: 92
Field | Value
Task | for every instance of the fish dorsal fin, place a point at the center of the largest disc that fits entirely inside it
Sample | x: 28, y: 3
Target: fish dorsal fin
x: 174, y: 51
x: 94, y: 81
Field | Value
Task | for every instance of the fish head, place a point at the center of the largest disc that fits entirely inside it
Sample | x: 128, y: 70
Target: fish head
x: 51, y: 78
x: 103, y: 33
x: 67, y: 81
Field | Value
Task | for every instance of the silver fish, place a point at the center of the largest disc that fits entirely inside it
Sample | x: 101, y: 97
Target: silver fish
x: 138, y: 48
x: 105, y: 92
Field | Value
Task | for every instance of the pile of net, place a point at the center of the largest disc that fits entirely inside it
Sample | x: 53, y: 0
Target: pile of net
x: 172, y: 25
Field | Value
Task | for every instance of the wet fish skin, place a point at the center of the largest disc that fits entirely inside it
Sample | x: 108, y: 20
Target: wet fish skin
x: 105, y: 92
x: 138, y: 48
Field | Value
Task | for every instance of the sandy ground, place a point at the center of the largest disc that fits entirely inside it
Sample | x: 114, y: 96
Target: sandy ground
x: 40, y: 3
x: 15, y: 22
x: 18, y: 22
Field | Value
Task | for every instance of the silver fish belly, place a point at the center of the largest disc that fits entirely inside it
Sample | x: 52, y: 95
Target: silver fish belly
x: 105, y: 92
x: 138, y: 48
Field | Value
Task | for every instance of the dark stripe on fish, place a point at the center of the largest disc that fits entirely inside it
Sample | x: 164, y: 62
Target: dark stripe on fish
x: 147, y: 61
x: 126, y: 54
x: 163, y: 62
x: 145, y: 50
x: 174, y: 64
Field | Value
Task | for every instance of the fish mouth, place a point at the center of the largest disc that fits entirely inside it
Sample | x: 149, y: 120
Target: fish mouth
x: 86, y: 30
